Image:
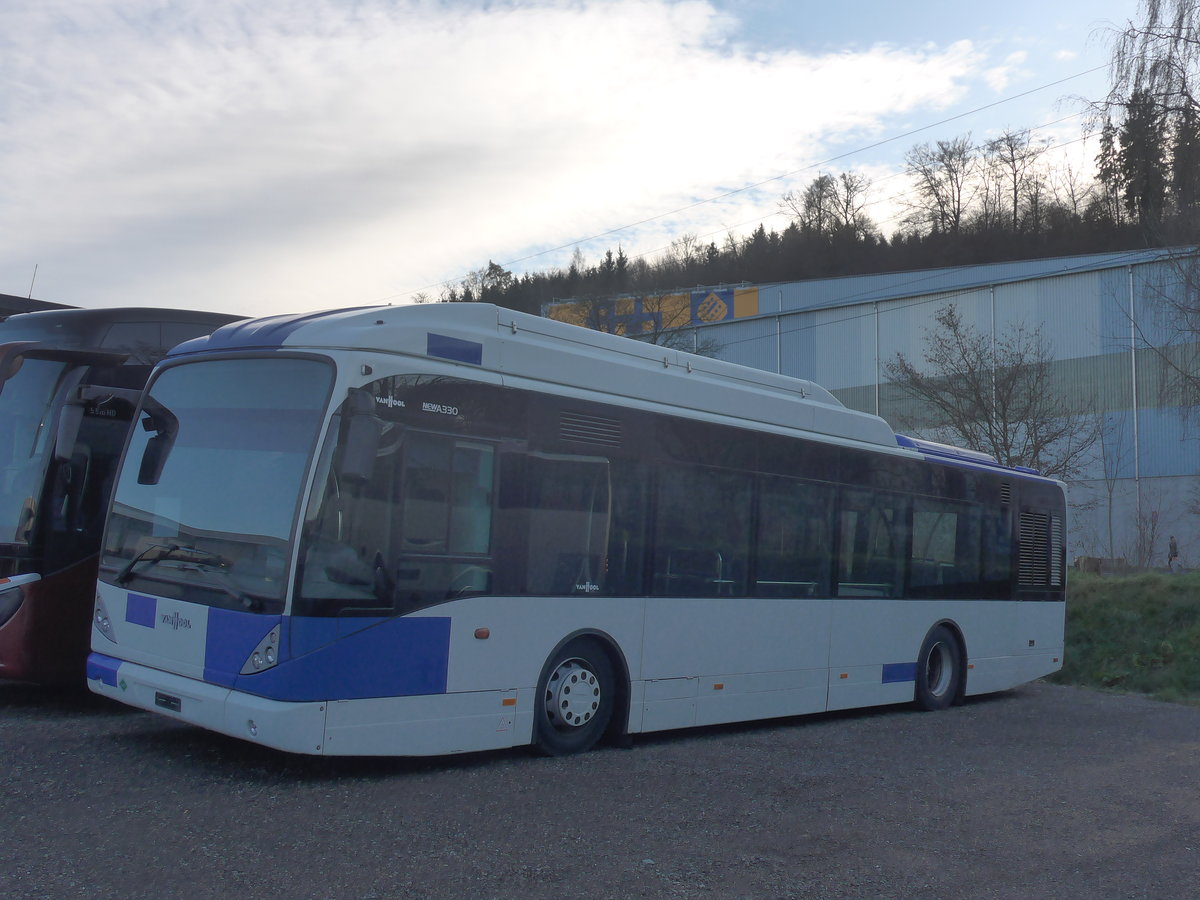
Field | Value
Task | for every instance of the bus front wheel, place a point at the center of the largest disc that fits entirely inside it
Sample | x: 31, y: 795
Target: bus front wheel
x: 575, y: 699
x: 939, y: 669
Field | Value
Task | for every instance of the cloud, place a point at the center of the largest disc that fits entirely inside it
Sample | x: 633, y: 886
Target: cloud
x: 268, y: 156
x: 999, y: 77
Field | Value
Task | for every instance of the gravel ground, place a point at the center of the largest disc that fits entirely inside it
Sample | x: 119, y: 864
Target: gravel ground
x: 1040, y: 791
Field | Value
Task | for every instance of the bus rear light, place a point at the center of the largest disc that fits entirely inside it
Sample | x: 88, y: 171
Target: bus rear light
x: 101, y: 620
x: 483, y: 634
x: 265, y: 655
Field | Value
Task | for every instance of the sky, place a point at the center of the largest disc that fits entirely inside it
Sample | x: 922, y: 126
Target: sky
x: 273, y: 156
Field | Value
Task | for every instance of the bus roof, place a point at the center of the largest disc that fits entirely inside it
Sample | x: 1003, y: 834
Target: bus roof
x: 93, y: 328
x: 541, y: 353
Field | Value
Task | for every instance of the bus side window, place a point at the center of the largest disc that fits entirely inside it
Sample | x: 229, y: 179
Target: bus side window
x: 873, y: 545
x: 569, y: 511
x: 628, y: 531
x: 702, y: 545
x: 946, y: 549
x: 794, y: 538
x: 445, y: 529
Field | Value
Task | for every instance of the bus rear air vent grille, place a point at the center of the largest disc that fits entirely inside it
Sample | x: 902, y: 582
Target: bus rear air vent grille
x: 579, y: 428
x: 1005, y: 493
x: 1034, y: 565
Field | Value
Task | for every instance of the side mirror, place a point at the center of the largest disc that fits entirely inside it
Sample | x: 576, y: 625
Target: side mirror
x: 165, y: 425
x: 360, y: 437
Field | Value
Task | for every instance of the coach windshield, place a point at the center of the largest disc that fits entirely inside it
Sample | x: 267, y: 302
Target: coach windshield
x: 27, y: 406
x: 210, y: 484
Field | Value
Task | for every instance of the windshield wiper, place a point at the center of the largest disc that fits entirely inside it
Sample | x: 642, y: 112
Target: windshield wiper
x: 169, y: 551
x: 223, y: 582
x: 194, y: 559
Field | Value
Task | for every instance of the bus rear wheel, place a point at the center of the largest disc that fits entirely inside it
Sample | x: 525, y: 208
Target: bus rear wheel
x: 939, y: 669
x: 575, y: 699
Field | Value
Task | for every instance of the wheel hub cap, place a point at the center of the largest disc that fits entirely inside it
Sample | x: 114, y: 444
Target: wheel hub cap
x: 572, y: 695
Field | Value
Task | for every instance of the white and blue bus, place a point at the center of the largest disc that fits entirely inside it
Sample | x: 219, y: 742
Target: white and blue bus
x: 448, y: 528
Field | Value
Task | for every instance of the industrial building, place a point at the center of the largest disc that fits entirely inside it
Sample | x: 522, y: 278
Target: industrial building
x: 1110, y: 321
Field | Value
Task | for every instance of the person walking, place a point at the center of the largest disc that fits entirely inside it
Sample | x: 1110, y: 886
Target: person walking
x: 1172, y: 554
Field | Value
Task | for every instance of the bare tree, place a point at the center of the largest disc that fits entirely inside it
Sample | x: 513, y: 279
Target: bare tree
x: 812, y: 209
x: 943, y: 174
x: 1159, y: 55
x: 831, y: 206
x: 1012, y: 159
x: 994, y: 395
x: 684, y: 251
x: 1070, y: 191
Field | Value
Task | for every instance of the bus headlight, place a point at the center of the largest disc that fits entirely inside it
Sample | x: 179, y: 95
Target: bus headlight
x: 101, y: 620
x: 265, y: 655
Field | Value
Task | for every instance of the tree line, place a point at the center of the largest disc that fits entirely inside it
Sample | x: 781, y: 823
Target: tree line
x: 968, y: 201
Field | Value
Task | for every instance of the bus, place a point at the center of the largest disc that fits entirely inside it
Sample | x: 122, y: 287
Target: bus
x: 446, y: 528
x: 69, y: 382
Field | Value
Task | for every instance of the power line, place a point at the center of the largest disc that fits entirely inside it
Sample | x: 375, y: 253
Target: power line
x: 766, y: 181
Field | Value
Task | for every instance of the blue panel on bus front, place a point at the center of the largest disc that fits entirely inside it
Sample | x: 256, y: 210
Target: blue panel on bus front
x: 394, y: 657
x: 141, y: 610
x: 102, y: 668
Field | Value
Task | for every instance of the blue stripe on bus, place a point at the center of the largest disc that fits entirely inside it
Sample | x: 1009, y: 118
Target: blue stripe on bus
x: 140, y: 609
x: 268, y: 331
x: 454, y: 348
x: 392, y: 657
x: 894, y: 673
x: 103, y: 668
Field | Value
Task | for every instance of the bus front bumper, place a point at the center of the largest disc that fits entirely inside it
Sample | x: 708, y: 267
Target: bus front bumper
x: 294, y: 727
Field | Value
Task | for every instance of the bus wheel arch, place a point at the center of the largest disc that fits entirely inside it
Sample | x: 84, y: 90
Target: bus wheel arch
x: 582, y: 695
x: 941, y: 675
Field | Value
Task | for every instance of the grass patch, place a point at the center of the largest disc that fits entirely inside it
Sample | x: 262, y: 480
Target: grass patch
x: 1137, y: 633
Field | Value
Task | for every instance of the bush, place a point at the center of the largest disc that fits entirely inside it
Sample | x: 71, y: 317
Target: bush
x: 1136, y: 633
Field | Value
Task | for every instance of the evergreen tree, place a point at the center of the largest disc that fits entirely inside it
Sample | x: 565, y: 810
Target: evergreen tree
x: 1141, y: 160
x: 1185, y: 163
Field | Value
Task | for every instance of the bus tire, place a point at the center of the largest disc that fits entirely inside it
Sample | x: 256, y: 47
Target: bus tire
x: 939, y: 670
x: 575, y: 699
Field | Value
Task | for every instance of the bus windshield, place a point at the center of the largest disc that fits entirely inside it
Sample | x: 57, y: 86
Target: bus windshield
x: 26, y: 411
x: 210, y: 485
